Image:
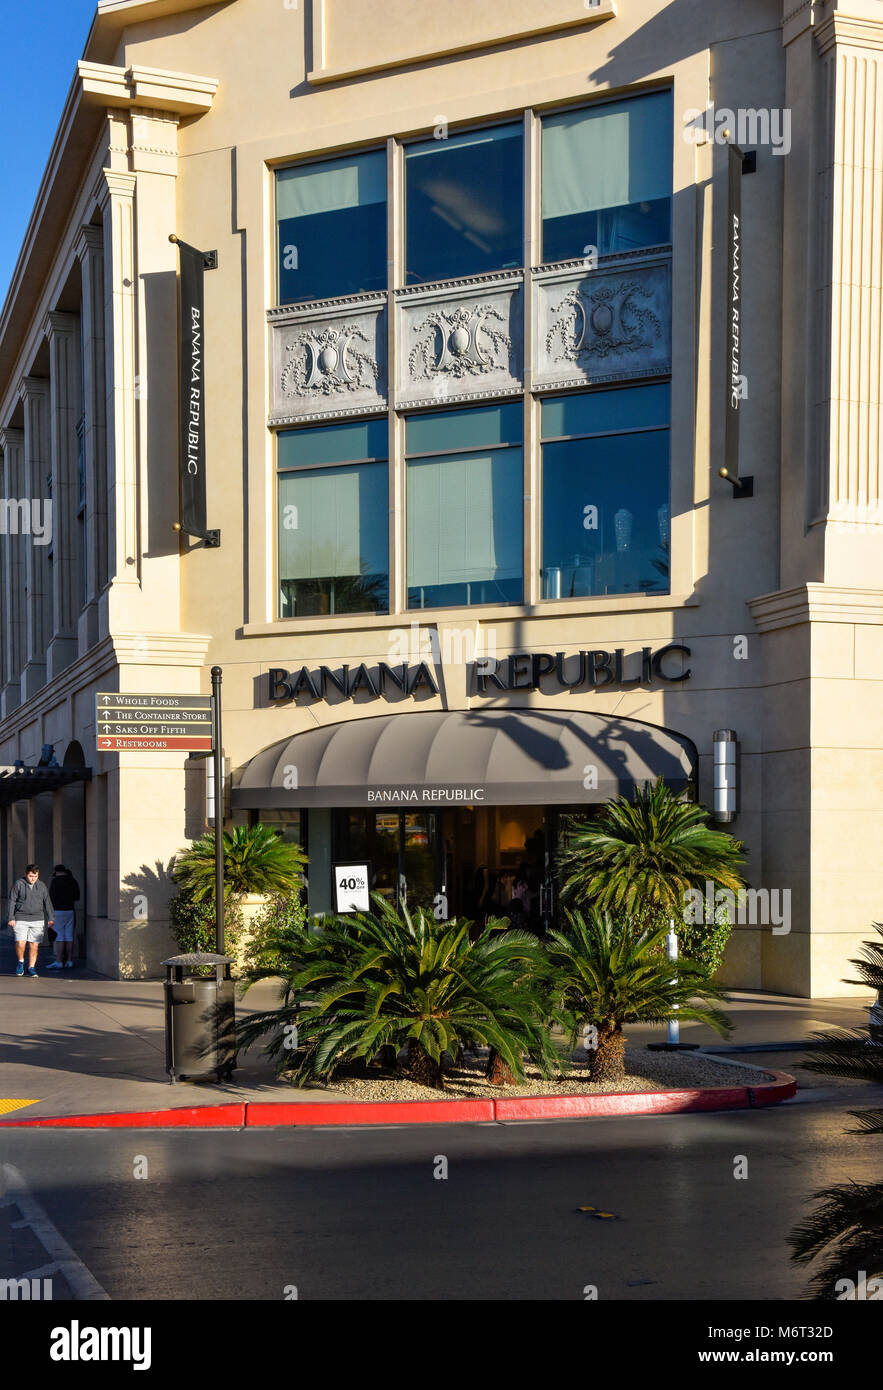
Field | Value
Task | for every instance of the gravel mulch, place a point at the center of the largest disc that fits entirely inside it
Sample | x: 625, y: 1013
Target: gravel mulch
x: 645, y: 1071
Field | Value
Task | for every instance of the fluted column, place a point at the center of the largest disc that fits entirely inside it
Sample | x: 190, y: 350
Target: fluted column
x: 116, y: 194
x: 34, y: 392
x: 90, y: 250
x: 65, y: 404
x: 12, y: 571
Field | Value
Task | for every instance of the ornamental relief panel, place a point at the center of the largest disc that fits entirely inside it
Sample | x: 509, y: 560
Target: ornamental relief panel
x: 456, y: 343
x: 328, y: 361
x: 603, y: 326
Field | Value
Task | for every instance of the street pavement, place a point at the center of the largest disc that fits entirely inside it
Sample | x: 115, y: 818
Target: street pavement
x: 73, y: 1042
x: 367, y: 1214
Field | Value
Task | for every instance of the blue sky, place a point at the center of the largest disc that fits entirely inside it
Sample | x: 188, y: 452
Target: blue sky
x: 42, y: 41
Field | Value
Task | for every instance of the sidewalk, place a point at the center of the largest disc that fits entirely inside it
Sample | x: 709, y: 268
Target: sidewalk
x: 74, y: 1042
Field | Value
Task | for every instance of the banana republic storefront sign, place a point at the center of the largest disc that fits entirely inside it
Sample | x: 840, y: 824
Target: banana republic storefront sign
x: 585, y: 670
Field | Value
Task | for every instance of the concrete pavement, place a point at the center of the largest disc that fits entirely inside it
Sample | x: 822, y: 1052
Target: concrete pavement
x: 73, y: 1042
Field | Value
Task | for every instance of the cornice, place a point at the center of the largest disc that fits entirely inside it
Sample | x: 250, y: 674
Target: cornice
x: 11, y: 435
x: 467, y: 282
x: 853, y: 31
x: 113, y: 17
x: 59, y: 322
x: 141, y: 88
x: 311, y: 308
x: 89, y: 241
x: 816, y: 603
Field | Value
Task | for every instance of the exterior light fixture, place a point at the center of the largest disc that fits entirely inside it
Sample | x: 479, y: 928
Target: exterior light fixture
x: 726, y: 775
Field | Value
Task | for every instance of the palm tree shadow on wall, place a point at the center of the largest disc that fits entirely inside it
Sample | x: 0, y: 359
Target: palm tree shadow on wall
x: 145, y: 894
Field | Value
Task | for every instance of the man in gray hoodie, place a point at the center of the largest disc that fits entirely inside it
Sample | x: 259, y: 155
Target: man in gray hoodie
x: 30, y: 907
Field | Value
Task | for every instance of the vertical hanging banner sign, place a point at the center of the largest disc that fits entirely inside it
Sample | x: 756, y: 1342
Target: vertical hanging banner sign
x: 192, y: 405
x: 735, y: 375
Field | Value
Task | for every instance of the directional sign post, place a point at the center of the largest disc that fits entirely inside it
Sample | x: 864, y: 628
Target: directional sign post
x: 153, y: 723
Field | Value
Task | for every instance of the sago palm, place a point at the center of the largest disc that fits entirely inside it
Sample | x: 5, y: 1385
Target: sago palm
x: 256, y: 860
x: 609, y: 975
x: 393, y: 979
x: 846, y: 1229
x: 647, y: 852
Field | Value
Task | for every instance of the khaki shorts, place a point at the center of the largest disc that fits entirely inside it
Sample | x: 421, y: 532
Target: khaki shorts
x: 28, y: 931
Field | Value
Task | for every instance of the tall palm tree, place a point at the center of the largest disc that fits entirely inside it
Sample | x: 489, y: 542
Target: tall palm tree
x: 609, y: 976
x: 846, y: 1229
x: 256, y: 860
x: 647, y: 853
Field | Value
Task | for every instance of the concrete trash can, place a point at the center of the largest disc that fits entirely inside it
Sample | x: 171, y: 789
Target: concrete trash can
x: 200, y: 1018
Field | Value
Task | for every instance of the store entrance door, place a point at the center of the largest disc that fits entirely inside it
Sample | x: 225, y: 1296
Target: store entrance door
x: 495, y: 863
x: 402, y: 848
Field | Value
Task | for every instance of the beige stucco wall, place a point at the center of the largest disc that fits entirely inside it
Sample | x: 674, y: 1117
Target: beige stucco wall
x: 803, y: 693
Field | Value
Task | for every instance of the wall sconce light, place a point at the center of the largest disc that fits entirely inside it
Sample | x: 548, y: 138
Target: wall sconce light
x: 726, y: 775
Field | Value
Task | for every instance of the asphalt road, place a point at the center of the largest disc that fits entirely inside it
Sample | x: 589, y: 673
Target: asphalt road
x: 359, y: 1214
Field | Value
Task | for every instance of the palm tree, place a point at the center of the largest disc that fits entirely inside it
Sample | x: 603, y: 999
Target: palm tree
x: 609, y: 976
x: 847, y: 1228
x: 392, y: 979
x: 647, y: 854
x: 256, y: 860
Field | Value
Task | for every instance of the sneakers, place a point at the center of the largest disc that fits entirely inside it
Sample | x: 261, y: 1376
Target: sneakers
x: 56, y: 965
x: 68, y: 965
x: 20, y: 968
x: 32, y: 970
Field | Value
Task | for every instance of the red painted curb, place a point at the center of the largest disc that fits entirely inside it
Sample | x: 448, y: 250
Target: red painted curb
x: 191, y: 1117
x: 782, y: 1087
x: 368, y: 1112
x: 265, y: 1114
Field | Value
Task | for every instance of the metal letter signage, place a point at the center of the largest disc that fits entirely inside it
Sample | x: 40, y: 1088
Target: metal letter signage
x: 192, y: 404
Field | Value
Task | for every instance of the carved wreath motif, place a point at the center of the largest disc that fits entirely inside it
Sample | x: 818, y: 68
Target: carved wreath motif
x: 604, y: 322
x: 321, y: 364
x: 460, y: 343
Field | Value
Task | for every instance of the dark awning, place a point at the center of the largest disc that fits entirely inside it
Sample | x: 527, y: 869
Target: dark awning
x: 21, y: 783
x: 491, y: 756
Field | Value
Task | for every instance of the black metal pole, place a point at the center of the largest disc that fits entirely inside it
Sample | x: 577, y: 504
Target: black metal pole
x: 218, y: 755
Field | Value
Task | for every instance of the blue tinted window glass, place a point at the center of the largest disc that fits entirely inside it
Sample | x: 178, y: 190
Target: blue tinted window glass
x: 464, y: 429
x: 331, y: 227
x: 596, y: 412
x: 607, y: 177
x: 333, y: 541
x: 606, y: 520
x: 363, y: 439
x: 463, y: 204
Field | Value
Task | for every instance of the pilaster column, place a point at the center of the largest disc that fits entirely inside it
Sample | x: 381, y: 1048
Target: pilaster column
x: 12, y: 570
x: 90, y: 250
x: 34, y: 392
x: 65, y: 406
x: 116, y: 195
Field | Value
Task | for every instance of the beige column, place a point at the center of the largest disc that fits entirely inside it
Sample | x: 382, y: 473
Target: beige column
x: 65, y: 406
x: 12, y: 570
x: 116, y: 196
x: 13, y: 444
x: 34, y: 392
x: 849, y: 420
x: 90, y: 250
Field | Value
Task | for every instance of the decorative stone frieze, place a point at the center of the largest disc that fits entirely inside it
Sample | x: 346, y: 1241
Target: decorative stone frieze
x: 609, y: 324
x: 328, y: 359
x: 459, y: 340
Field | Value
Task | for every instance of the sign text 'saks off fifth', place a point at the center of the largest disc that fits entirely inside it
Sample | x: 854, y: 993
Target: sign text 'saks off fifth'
x: 153, y: 723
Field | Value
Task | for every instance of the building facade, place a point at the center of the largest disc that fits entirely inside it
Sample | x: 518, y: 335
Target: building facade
x: 468, y: 354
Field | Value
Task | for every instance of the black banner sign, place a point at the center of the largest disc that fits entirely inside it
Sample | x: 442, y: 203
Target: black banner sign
x: 735, y: 375
x: 192, y: 405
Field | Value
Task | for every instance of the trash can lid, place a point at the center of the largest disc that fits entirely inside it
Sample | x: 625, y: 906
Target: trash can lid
x: 199, y: 958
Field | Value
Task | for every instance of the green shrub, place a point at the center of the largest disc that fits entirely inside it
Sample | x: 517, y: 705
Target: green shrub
x: 276, y: 931
x: 193, y: 926
x: 256, y: 860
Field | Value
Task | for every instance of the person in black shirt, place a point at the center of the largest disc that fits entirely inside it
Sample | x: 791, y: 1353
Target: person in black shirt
x: 65, y: 894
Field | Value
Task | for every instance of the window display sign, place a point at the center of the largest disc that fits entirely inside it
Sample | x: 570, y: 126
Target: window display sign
x: 352, y: 887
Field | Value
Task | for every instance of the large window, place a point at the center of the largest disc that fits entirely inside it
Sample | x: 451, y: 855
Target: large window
x: 463, y: 204
x: 606, y: 177
x: 464, y: 515
x: 333, y: 520
x: 606, y: 523
x: 331, y: 227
